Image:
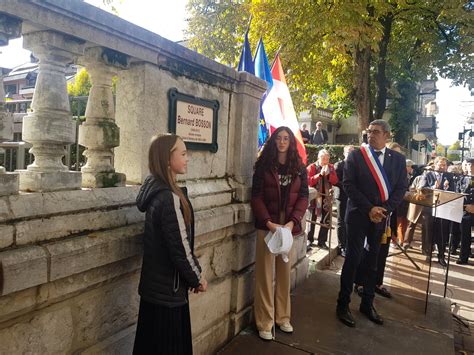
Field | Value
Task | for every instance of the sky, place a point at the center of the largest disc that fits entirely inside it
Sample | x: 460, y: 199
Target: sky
x: 167, y: 18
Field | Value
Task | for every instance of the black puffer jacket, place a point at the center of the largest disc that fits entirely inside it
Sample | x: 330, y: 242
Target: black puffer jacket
x: 169, y: 266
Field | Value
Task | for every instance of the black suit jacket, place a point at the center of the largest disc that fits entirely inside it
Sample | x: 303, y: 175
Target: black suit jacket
x: 339, y: 166
x: 430, y: 180
x: 362, y: 190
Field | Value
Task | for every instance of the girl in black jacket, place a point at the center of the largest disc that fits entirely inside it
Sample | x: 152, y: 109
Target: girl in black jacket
x: 169, y: 268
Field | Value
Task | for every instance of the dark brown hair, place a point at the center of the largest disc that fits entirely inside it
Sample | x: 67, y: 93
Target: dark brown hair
x: 159, y: 156
x: 268, y: 157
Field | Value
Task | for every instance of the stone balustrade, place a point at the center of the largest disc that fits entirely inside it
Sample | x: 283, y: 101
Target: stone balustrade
x: 9, y: 28
x: 70, y: 242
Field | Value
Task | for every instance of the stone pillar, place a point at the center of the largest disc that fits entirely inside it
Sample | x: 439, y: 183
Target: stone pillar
x: 243, y: 144
x: 49, y: 127
x: 99, y: 133
x: 9, y: 28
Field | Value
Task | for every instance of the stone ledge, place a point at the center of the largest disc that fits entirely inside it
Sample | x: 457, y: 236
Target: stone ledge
x: 33, y: 205
x: 6, y: 236
x: 83, y: 253
x: 211, y: 201
x: 18, y: 303
x: 207, y: 187
x: 37, y: 230
x: 23, y: 268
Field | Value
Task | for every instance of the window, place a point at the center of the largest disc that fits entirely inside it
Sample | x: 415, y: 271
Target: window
x: 10, y: 89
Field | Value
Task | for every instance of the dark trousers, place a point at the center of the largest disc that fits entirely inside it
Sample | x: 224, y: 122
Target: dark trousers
x: 362, y: 270
x: 341, y: 225
x: 354, y: 253
x: 441, y: 235
x: 466, y: 224
x: 323, y: 232
x: 456, y: 236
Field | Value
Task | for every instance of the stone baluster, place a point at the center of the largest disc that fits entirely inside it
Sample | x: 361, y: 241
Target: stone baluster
x: 49, y: 127
x: 99, y: 133
x: 9, y: 28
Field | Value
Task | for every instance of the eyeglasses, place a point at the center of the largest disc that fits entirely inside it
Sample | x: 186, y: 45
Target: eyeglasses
x: 373, y: 131
x: 284, y: 139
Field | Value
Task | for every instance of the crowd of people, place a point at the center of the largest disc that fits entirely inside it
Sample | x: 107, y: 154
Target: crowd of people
x: 372, y: 214
x: 371, y: 182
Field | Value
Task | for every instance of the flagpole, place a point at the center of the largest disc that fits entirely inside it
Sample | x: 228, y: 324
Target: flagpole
x: 276, y: 54
x: 250, y: 21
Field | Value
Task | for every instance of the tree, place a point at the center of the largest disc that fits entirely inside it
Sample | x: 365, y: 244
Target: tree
x: 440, y: 150
x: 345, y: 54
x: 80, y: 87
x: 454, y: 156
x: 403, y: 112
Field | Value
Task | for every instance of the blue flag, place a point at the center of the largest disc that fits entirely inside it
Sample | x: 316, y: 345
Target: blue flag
x: 246, y: 62
x: 262, y: 71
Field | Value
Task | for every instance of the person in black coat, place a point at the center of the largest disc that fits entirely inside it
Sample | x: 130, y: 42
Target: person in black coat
x: 440, y: 179
x: 170, y: 269
x: 366, y: 216
x: 468, y: 216
x: 341, y: 202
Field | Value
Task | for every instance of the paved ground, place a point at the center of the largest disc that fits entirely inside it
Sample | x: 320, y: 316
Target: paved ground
x: 407, y: 329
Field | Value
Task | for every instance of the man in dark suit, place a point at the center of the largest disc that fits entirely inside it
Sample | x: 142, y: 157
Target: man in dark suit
x: 342, y: 203
x: 366, y: 215
x: 468, y: 216
x: 320, y: 136
x: 440, y: 179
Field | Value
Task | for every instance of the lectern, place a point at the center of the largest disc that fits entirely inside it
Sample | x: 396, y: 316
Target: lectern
x: 445, y: 205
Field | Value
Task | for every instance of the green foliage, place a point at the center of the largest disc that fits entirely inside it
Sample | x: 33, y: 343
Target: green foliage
x: 217, y: 28
x: 403, y: 111
x: 336, y: 152
x: 440, y: 150
x: 321, y: 42
x: 110, y: 5
x: 455, y: 146
x: 81, y: 85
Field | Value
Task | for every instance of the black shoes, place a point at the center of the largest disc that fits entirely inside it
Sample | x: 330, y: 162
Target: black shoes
x: 345, y: 316
x: 341, y: 252
x: 323, y: 246
x: 382, y: 291
x: 461, y: 262
x: 359, y: 290
x: 371, y: 314
x: 441, y: 261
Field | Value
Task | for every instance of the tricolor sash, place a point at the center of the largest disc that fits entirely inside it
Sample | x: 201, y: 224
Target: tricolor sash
x: 377, y: 171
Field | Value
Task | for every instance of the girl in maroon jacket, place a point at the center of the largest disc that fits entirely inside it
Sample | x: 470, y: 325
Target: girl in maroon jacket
x: 279, y: 198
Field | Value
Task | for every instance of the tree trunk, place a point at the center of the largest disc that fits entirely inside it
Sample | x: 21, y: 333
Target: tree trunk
x: 381, y: 81
x: 362, y: 88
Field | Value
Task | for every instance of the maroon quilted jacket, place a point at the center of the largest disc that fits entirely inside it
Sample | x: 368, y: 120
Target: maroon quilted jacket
x: 266, y: 198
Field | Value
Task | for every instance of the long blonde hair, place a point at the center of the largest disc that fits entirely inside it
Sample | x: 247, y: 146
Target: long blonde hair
x: 159, y: 156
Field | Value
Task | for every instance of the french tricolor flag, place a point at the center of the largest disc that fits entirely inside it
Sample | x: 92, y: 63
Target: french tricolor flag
x: 278, y: 107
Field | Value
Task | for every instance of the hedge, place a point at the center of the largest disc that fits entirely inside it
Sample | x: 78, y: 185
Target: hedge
x: 335, y: 150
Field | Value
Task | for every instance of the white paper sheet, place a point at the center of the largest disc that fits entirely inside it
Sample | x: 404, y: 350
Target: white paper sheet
x: 451, y: 211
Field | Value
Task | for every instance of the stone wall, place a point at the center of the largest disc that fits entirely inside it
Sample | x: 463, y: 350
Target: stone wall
x: 70, y: 258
